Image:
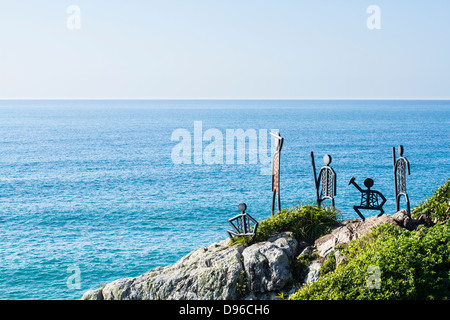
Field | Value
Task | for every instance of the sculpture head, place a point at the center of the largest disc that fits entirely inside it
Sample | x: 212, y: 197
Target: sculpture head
x: 327, y: 159
x: 242, y: 207
x: 368, y: 183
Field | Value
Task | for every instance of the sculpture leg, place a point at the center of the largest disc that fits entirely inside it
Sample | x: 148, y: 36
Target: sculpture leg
x: 397, y: 202
x: 381, y: 212
x: 279, y: 202
x: 408, y: 207
x: 319, y: 202
x: 359, y: 213
x: 273, y: 202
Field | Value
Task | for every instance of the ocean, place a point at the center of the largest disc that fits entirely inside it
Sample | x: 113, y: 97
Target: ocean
x: 93, y: 191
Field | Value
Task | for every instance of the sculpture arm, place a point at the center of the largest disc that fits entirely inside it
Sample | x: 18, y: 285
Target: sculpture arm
x: 382, y: 197
x: 334, y: 180
x: 352, y: 181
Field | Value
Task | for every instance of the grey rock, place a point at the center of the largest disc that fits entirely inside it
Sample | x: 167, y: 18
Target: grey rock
x: 302, y: 245
x: 347, y: 231
x: 313, y: 272
x: 338, y: 257
x: 400, y: 216
x: 96, y: 294
x: 216, y: 272
x: 425, y: 220
x: 410, y: 224
x: 204, y: 274
x: 272, y: 295
x: 267, y: 264
x: 307, y: 250
x: 223, y: 272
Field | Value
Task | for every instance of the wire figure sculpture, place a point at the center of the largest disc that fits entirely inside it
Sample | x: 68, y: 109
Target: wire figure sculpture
x: 276, y: 171
x: 369, y: 198
x: 401, y: 168
x: 325, y: 180
x: 244, y: 225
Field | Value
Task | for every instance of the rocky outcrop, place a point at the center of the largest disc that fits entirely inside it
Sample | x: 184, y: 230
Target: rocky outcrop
x: 223, y: 272
x: 207, y: 273
x: 404, y: 220
x: 313, y: 272
x: 353, y: 229
x: 267, y: 264
x: 215, y: 272
x: 344, y: 232
x: 347, y: 231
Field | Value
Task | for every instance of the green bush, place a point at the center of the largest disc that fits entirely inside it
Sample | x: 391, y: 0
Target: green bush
x: 412, y: 265
x: 437, y: 206
x: 307, y: 222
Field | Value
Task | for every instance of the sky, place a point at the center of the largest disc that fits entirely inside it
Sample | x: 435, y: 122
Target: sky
x: 217, y: 49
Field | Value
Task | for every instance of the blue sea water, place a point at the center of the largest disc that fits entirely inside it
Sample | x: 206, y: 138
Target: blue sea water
x: 91, y: 185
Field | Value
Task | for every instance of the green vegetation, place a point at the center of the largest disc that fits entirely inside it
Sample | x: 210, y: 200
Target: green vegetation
x: 307, y: 222
x: 329, y: 264
x: 410, y: 264
x: 300, y: 265
x: 405, y: 264
x: 282, y: 296
x: 242, y: 283
x: 437, y: 207
x: 239, y: 240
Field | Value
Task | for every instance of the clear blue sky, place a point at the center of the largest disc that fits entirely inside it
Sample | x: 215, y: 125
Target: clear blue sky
x: 224, y: 49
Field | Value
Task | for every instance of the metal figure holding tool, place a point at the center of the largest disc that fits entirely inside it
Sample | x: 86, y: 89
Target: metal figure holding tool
x: 369, y: 198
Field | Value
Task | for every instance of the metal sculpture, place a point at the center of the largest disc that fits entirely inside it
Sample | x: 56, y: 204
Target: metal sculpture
x: 369, y: 198
x: 243, y: 224
x: 276, y: 171
x: 325, y: 180
x: 401, y: 168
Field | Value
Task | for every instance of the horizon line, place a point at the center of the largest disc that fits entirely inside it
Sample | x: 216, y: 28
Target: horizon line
x: 224, y: 99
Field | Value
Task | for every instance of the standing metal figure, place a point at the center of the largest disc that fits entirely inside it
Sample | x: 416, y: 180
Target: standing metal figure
x: 242, y: 224
x: 401, y: 167
x: 276, y: 171
x: 328, y: 178
x: 369, y: 198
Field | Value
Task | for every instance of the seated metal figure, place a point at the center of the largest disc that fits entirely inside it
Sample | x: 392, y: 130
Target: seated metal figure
x: 327, y: 177
x: 369, y: 198
x: 243, y: 224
